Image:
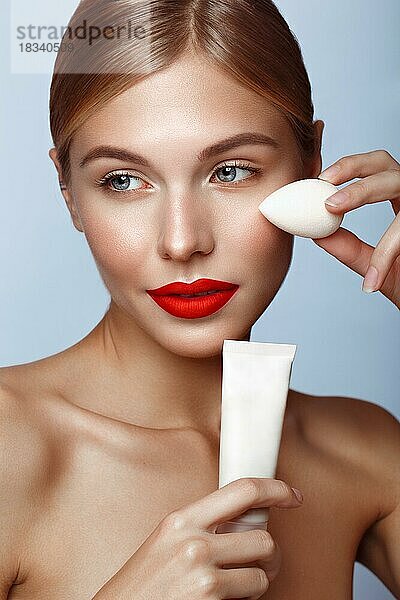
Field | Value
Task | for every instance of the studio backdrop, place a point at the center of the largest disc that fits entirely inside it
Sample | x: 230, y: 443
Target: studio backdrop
x: 52, y: 295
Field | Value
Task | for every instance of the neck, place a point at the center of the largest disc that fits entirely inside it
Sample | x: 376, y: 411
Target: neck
x: 132, y: 378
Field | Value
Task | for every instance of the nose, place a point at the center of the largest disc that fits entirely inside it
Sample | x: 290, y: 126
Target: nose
x: 186, y: 228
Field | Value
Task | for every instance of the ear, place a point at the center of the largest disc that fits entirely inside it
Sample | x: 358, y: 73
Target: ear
x: 314, y: 167
x: 66, y: 192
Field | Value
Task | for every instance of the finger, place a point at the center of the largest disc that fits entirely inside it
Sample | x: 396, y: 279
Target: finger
x: 359, y: 165
x: 259, y: 550
x: 362, y: 165
x: 382, y: 260
x: 235, y: 498
x: 245, y: 582
x: 346, y: 247
x: 243, y: 547
x: 374, y: 188
x: 271, y: 565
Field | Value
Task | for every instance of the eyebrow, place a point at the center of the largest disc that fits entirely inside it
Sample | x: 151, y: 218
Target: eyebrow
x: 240, y: 139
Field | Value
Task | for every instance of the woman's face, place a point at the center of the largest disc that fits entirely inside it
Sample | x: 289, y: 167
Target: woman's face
x: 183, y: 217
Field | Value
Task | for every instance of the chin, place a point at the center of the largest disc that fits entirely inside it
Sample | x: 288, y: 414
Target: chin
x: 202, y: 341
x: 202, y: 349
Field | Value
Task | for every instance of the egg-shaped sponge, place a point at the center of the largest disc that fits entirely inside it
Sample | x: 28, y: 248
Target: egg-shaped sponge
x: 298, y: 208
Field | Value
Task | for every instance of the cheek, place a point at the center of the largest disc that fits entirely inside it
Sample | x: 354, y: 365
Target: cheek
x: 271, y: 264
x: 267, y: 252
x: 118, y: 245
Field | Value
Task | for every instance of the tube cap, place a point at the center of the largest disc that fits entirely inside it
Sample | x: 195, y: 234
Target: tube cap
x: 235, y: 527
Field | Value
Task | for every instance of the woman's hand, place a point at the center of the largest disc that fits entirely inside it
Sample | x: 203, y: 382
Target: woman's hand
x: 380, y: 174
x: 184, y: 558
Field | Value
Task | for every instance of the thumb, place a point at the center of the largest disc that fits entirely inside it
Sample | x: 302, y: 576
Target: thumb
x: 346, y: 247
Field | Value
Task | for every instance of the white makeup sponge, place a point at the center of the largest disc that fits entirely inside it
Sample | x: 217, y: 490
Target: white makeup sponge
x: 299, y: 208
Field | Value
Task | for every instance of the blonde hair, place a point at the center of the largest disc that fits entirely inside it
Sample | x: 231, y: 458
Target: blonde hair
x: 248, y: 38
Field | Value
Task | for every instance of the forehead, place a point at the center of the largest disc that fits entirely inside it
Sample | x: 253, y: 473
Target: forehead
x: 191, y: 99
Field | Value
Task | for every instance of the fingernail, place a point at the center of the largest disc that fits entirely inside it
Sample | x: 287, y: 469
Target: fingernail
x: 337, y: 198
x: 298, y: 494
x: 330, y: 172
x: 370, y: 280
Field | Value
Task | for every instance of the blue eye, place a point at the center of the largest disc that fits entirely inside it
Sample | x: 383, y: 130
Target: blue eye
x: 119, y: 182
x: 123, y: 181
x: 231, y: 171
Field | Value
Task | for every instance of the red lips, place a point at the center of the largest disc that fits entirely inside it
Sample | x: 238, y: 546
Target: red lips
x: 201, y: 285
x: 167, y: 297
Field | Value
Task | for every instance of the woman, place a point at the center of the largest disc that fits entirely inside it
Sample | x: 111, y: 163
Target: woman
x: 165, y: 144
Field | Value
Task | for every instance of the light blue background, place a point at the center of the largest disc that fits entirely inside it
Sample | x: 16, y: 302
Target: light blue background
x: 348, y: 341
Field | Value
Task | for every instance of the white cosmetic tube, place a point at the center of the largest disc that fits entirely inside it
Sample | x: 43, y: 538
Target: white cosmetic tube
x: 255, y: 384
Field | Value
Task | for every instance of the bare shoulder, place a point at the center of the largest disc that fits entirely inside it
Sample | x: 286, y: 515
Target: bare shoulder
x: 358, y: 432
x: 25, y: 433
x: 356, y: 445
x: 20, y: 433
x: 23, y: 458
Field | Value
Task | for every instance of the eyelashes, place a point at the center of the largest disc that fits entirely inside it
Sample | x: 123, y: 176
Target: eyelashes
x: 235, y: 166
x: 125, y: 176
x: 121, y: 175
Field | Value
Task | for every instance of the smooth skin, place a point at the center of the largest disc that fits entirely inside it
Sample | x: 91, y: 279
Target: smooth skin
x: 104, y: 440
